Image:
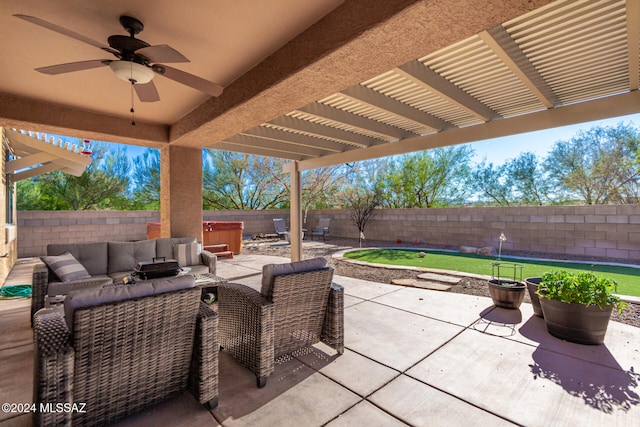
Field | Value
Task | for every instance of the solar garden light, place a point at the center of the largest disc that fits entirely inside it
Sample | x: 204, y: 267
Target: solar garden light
x: 503, y: 238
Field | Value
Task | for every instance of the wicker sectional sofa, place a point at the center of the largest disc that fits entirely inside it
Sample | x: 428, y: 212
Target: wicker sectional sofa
x: 108, y: 263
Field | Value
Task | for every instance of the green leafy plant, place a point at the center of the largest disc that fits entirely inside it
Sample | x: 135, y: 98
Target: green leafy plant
x: 582, y: 288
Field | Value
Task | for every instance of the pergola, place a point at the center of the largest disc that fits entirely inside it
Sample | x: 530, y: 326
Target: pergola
x: 360, y: 80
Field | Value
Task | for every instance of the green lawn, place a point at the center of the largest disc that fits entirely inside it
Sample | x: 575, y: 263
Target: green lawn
x: 628, y: 278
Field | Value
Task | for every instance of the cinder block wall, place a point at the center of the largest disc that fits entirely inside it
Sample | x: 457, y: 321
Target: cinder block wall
x: 36, y: 229
x: 605, y: 231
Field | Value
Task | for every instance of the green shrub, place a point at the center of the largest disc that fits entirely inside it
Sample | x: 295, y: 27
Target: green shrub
x: 582, y: 288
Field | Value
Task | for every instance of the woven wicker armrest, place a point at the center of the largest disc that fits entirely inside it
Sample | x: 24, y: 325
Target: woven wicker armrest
x: 247, y: 327
x: 333, y: 327
x: 210, y: 260
x: 61, y: 287
x: 203, y: 378
x: 54, y: 363
x: 39, y: 281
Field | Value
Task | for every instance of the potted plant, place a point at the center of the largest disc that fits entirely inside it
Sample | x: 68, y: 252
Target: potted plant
x: 577, y: 306
x: 532, y: 288
x: 506, y: 293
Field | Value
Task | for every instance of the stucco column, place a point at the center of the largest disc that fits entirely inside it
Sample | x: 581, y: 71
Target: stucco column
x: 181, y: 192
x: 295, y: 216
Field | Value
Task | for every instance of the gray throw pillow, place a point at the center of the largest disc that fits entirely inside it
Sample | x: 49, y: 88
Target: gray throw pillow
x: 186, y: 254
x: 66, y: 267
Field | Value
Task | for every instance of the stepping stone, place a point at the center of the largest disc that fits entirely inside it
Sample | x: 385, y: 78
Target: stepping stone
x: 434, y: 286
x: 422, y: 284
x: 403, y: 282
x: 439, y: 278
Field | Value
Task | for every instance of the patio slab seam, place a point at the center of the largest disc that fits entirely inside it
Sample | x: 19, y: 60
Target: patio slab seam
x: 419, y: 314
x: 366, y: 397
x: 405, y: 373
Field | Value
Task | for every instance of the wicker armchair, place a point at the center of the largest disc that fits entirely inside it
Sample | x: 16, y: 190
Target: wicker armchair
x: 130, y: 351
x: 297, y: 306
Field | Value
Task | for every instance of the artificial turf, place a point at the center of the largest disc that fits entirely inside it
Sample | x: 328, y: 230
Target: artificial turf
x: 627, y: 278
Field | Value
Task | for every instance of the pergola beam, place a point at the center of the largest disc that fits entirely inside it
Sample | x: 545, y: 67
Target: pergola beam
x: 501, y: 43
x: 295, y: 138
x: 321, y: 110
x: 27, y: 161
x: 424, y: 76
x: 29, y: 173
x: 375, y: 99
x: 246, y: 149
x: 45, y: 147
x: 602, y: 108
x: 351, y: 138
x: 254, y: 141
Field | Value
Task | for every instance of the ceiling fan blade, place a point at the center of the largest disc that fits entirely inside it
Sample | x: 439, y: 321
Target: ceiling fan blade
x: 162, y: 53
x: 187, y: 79
x: 61, y: 30
x: 73, y: 66
x: 147, y: 92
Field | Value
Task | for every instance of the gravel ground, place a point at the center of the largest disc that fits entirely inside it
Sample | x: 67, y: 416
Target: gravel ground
x: 470, y: 286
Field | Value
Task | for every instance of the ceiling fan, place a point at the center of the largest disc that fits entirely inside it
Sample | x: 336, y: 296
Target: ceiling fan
x: 138, y: 62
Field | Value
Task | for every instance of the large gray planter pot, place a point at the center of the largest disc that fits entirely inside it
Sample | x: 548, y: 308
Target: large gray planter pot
x: 506, y: 296
x: 576, y: 322
x: 532, y: 287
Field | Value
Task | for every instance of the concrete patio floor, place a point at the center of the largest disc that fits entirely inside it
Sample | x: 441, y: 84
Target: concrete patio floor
x: 412, y: 357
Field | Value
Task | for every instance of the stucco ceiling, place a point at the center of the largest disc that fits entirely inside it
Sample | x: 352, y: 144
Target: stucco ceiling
x: 222, y: 39
x: 315, y: 81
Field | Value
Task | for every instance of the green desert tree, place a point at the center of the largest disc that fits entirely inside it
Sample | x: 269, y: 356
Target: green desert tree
x: 321, y: 187
x: 103, y: 185
x: 146, y: 180
x: 529, y: 179
x: 431, y: 178
x: 598, y: 166
x: 241, y: 181
x: 493, y: 183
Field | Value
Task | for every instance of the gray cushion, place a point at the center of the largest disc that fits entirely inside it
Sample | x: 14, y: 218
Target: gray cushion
x: 93, y: 256
x: 63, y: 288
x: 164, y: 245
x: 269, y: 271
x: 66, y: 267
x: 123, y: 256
x: 186, y: 253
x: 92, y: 297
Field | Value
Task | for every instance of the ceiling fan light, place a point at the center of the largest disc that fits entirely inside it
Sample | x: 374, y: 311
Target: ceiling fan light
x: 129, y: 70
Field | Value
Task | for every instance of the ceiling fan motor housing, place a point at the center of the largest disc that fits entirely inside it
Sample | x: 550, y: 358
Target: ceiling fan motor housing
x: 131, y: 24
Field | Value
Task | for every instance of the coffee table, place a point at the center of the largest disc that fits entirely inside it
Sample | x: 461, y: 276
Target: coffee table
x: 209, y: 284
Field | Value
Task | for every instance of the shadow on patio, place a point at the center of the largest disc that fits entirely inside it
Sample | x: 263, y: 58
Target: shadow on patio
x: 412, y: 357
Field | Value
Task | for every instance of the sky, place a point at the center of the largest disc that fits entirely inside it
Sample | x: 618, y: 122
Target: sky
x: 498, y: 150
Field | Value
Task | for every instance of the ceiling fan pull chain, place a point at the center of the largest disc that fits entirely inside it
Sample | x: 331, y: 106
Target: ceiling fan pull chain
x: 133, y: 121
x: 133, y: 81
